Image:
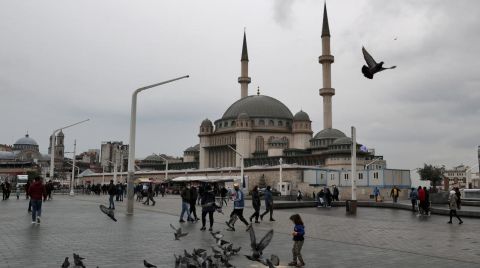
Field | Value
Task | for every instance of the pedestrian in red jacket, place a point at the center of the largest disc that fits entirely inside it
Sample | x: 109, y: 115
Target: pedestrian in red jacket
x: 421, y: 198
x: 36, y: 192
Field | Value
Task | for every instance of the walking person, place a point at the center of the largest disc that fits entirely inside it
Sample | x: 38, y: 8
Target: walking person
x: 268, y: 204
x: 414, y: 198
x: 427, y: 201
x: 150, y: 194
x: 193, y: 201
x: 238, y: 206
x: 223, y: 195
x: 376, y: 193
x: 299, y: 196
x: 421, y: 200
x: 36, y: 191
x: 298, y: 239
x: 336, y: 193
x: 185, y: 194
x: 18, y: 192
x: 112, y: 190
x: 208, y: 207
x: 328, y: 196
x: 394, y: 193
x: 255, y: 204
x: 162, y: 190
x: 453, y: 204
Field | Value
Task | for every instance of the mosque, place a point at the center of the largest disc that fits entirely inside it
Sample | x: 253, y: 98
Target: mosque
x: 262, y: 129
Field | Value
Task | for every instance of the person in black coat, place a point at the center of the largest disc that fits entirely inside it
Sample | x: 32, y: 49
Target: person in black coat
x: 193, y: 201
x: 112, y: 191
x: 208, y: 207
x: 255, y: 204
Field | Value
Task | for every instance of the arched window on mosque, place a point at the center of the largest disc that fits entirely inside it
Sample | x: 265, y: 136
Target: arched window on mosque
x: 202, y: 129
x: 259, y: 144
x: 271, y: 123
x: 280, y: 123
x: 233, y: 123
x: 261, y: 123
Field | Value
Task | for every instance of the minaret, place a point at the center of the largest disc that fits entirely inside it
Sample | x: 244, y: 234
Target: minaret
x: 244, y: 80
x: 326, y: 60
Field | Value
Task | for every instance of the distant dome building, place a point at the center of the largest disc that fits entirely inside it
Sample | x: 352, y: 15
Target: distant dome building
x: 25, y: 143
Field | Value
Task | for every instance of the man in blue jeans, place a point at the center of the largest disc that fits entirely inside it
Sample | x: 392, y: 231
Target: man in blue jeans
x: 185, y: 204
x: 36, y: 192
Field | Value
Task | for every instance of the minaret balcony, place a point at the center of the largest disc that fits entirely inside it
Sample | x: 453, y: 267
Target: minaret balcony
x: 326, y: 59
x: 242, y: 79
x: 327, y: 91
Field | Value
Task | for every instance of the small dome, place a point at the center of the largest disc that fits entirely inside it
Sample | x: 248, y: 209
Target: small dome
x: 153, y: 157
x: 7, y: 155
x: 26, y: 141
x: 243, y: 116
x: 258, y: 106
x: 329, y: 133
x: 195, y: 148
x: 344, y: 140
x: 301, y: 116
x: 206, y: 122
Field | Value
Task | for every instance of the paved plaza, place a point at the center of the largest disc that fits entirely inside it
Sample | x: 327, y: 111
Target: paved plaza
x: 372, y: 238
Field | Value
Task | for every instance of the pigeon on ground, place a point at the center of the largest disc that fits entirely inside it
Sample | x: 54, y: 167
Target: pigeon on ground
x: 257, y: 248
x: 373, y: 67
x: 148, y: 265
x: 77, y: 260
x: 178, y: 232
x: 66, y: 263
x: 108, y: 212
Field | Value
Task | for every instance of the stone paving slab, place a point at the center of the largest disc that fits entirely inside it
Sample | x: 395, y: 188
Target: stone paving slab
x: 374, y: 237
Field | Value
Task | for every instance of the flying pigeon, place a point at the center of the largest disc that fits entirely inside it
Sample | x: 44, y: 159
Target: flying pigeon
x: 77, y: 260
x: 373, y: 67
x: 108, y: 212
x: 178, y: 232
x: 66, y: 263
x: 257, y: 248
x: 148, y: 265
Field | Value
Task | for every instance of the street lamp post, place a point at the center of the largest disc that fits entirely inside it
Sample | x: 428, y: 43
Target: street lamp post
x: 166, y: 166
x: 73, y: 168
x: 281, y: 162
x: 354, y: 164
x: 52, y: 151
x: 241, y: 165
x: 131, y: 149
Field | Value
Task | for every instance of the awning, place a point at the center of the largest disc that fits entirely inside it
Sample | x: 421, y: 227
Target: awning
x: 207, y: 178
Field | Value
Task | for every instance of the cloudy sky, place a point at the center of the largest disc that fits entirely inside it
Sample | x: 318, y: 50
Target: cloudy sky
x: 64, y: 61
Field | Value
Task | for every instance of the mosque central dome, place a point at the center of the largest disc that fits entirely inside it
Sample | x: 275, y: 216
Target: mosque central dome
x: 26, y: 141
x: 258, y: 106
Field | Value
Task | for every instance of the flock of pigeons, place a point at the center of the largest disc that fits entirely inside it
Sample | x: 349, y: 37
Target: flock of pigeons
x: 77, y: 261
x: 222, y: 250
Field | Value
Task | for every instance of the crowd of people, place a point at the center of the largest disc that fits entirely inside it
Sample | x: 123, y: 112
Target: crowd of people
x: 325, y: 196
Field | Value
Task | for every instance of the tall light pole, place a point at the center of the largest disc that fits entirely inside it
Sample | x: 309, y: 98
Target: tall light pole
x: 281, y: 162
x: 52, y: 151
x: 354, y: 164
x: 166, y: 166
x: 241, y: 165
x: 131, y: 148
x: 73, y: 167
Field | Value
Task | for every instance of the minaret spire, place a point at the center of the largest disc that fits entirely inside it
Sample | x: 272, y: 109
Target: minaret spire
x: 326, y: 60
x: 244, y: 80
